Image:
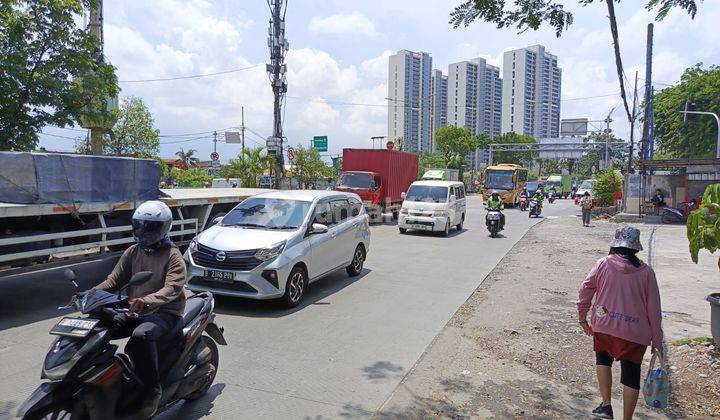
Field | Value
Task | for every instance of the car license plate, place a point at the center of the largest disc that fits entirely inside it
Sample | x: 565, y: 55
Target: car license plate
x: 421, y: 227
x: 74, y: 327
x: 217, y: 275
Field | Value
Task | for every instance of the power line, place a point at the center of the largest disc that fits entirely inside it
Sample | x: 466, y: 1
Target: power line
x: 186, y: 140
x: 193, y: 76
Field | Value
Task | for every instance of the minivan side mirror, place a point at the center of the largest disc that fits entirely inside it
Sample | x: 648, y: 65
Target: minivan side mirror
x: 403, y: 195
x: 318, y: 228
x: 217, y: 220
x: 452, y: 197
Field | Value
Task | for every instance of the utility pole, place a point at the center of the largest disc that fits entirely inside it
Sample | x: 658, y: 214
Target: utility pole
x: 95, y: 27
x: 607, y: 122
x: 242, y: 130
x: 278, y: 45
x: 645, y: 142
x: 632, y: 127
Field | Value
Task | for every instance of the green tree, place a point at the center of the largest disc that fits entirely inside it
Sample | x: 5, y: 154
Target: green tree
x: 513, y: 157
x: 133, y: 134
x: 430, y: 160
x: 308, y: 166
x: 606, y: 186
x: 247, y: 167
x: 50, y: 72
x: 192, y: 178
x: 530, y: 14
x: 455, y: 143
x: 188, y: 158
x: 696, y: 137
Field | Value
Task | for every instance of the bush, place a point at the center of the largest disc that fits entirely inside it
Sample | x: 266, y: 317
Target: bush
x: 606, y: 187
x: 192, y: 178
x: 702, y: 225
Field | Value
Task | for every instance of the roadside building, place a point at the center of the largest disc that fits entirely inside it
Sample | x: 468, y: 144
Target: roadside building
x: 409, y: 96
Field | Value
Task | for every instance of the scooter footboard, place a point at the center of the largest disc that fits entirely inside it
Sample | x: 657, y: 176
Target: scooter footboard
x: 45, y: 395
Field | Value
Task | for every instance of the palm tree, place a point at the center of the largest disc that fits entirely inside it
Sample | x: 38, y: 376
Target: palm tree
x: 247, y: 166
x: 188, y: 158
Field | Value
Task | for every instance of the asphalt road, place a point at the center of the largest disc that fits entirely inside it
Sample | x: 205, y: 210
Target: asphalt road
x: 340, y: 354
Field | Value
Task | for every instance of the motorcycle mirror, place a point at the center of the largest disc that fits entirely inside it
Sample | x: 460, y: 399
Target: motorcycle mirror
x: 70, y: 276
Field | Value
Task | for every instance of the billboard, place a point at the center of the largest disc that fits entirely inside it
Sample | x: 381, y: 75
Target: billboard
x: 574, y: 127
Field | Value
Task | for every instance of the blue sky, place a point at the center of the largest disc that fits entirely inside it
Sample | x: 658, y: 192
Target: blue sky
x: 338, y: 56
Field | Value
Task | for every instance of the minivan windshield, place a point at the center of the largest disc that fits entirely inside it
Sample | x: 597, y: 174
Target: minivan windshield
x: 268, y: 213
x: 587, y: 184
x: 427, y: 193
x: 355, y: 180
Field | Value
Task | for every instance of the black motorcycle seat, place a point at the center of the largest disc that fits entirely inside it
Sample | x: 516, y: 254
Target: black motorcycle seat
x: 193, y: 306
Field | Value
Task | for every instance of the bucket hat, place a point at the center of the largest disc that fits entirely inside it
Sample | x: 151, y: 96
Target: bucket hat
x: 627, y: 237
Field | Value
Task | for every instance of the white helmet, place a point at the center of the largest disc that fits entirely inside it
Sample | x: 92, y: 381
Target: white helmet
x: 151, y: 223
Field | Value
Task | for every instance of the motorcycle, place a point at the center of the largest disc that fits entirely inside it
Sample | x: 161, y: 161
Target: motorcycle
x: 89, y: 379
x: 523, y: 203
x: 534, y: 208
x: 493, y: 221
x: 672, y: 215
x: 551, y: 196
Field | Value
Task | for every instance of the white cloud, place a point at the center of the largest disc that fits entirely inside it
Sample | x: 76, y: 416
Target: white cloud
x: 364, y: 122
x: 319, y: 115
x: 377, y: 67
x: 313, y: 73
x: 352, y: 24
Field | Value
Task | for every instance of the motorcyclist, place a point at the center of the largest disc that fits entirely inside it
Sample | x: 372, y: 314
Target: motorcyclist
x: 156, y: 306
x: 496, y: 204
x: 539, y: 197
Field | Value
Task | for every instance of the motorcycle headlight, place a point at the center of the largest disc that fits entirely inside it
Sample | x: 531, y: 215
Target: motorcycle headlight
x: 193, y: 245
x: 271, y: 252
x: 439, y: 213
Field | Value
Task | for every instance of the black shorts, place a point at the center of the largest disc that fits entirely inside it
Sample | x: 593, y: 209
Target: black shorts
x: 629, y: 371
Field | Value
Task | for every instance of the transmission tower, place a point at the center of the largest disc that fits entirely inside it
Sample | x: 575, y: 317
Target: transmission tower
x: 279, y: 46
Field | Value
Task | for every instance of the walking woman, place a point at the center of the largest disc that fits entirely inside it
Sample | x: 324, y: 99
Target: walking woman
x: 625, y: 317
x: 586, y: 203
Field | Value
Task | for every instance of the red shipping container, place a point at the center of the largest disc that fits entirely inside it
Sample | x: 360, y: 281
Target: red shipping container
x: 397, y: 170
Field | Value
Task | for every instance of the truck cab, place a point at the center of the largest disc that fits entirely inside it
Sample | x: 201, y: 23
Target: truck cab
x: 367, y: 184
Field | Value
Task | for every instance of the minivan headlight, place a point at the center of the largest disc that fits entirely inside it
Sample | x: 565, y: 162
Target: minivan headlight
x: 193, y: 245
x: 271, y: 252
x: 403, y: 211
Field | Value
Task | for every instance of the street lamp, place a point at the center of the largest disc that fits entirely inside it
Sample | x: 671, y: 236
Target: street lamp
x: 717, y: 120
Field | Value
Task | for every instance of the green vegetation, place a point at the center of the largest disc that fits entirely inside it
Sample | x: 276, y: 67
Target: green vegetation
x: 49, y: 74
x: 308, y: 166
x: 188, y: 159
x: 191, y: 178
x: 429, y: 160
x: 697, y: 341
x: 698, y: 136
x: 133, y: 134
x: 607, y: 185
x: 512, y: 157
x: 247, y: 167
x: 703, y: 225
x: 454, y: 143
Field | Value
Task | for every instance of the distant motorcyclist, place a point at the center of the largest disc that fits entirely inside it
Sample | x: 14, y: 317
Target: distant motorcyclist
x: 496, y: 204
x: 539, y: 197
x: 159, y: 302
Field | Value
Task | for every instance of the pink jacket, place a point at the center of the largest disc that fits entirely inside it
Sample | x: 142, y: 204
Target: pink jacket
x: 627, y: 301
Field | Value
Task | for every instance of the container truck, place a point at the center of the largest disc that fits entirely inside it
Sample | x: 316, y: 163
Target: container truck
x: 379, y: 177
x: 59, y: 210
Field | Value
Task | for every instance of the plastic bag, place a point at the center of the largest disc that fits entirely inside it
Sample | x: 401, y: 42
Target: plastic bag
x: 656, y: 388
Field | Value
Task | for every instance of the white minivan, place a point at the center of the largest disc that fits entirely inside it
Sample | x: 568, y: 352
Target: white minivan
x: 434, y: 206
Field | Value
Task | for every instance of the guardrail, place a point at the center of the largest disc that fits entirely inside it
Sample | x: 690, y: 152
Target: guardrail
x: 86, y: 248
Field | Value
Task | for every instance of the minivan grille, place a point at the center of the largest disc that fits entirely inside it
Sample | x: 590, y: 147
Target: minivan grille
x: 234, y: 260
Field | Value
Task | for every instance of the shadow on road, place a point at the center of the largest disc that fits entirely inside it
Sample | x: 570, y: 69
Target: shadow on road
x: 453, y: 232
x: 317, y: 291
x: 193, y: 410
x: 380, y: 371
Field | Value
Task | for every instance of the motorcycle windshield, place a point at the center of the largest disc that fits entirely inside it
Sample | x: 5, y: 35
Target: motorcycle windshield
x: 96, y: 299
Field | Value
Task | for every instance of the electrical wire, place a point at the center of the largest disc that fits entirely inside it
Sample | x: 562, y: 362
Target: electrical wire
x: 193, y: 76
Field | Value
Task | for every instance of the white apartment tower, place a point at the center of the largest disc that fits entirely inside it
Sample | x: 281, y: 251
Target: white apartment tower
x: 409, y: 100
x: 531, y: 92
x: 475, y: 100
x: 438, y: 102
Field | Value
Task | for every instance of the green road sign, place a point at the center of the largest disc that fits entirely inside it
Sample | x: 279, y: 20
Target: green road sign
x: 320, y: 143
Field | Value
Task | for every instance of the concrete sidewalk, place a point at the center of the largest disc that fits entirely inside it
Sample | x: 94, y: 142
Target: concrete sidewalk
x: 683, y: 284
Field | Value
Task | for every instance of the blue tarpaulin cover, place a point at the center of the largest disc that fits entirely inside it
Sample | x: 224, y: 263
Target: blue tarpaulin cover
x: 48, y: 178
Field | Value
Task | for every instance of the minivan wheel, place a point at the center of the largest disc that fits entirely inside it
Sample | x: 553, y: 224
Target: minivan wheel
x: 356, y: 265
x: 446, y: 232
x: 460, y: 225
x: 295, y: 287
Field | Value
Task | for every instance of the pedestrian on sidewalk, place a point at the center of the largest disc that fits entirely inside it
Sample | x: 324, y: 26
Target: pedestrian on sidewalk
x: 586, y: 203
x: 625, y: 317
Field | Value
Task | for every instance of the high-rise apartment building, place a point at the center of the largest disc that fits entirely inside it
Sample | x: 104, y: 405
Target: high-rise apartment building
x: 438, y: 102
x: 531, y: 92
x: 409, y: 99
x: 475, y: 100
